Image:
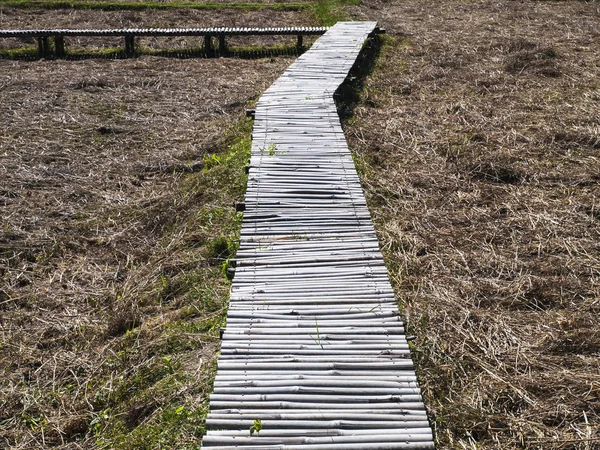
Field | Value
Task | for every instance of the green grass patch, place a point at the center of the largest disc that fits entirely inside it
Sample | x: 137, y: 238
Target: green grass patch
x: 19, y: 53
x: 154, y: 389
x: 329, y: 12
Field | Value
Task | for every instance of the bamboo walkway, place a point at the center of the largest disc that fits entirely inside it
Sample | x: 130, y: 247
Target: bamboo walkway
x: 314, y: 347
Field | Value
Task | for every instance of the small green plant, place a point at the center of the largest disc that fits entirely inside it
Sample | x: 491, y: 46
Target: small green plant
x: 170, y: 365
x: 271, y: 150
x: 220, y: 248
x: 164, y: 281
x: 318, y: 339
x: 33, y: 422
x: 100, y: 422
x: 256, y: 427
x: 212, y: 160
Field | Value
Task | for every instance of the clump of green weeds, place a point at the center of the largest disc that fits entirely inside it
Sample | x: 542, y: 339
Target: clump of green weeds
x: 329, y: 12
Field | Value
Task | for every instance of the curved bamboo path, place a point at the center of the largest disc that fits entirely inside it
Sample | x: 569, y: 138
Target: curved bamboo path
x: 314, y: 347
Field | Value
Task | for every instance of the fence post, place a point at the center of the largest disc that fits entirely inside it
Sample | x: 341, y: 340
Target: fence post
x: 129, y: 45
x: 222, y: 46
x: 299, y: 42
x: 208, y: 48
x: 43, y: 47
x: 59, y: 46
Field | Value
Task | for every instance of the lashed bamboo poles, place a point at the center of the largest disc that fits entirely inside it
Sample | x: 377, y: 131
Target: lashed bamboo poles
x: 130, y: 34
x: 314, y: 346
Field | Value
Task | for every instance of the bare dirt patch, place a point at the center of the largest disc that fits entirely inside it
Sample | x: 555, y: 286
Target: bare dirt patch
x: 116, y: 215
x: 479, y: 141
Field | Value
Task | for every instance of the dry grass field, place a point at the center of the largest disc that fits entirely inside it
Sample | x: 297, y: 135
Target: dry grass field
x: 477, y: 138
x: 149, y: 18
x: 118, y: 179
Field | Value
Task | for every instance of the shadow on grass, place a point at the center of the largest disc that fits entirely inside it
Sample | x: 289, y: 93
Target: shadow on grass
x: 31, y: 54
x: 348, y: 94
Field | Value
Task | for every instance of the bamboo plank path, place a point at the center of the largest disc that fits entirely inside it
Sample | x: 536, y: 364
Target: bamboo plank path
x: 314, y: 346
